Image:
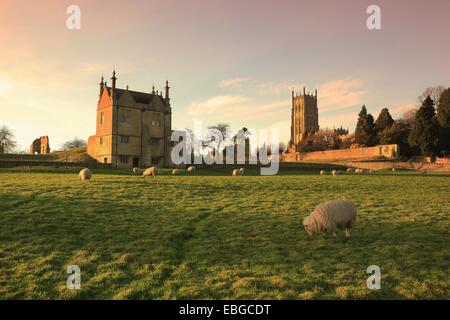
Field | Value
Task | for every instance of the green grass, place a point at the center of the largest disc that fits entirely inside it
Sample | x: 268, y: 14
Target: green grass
x: 214, y: 236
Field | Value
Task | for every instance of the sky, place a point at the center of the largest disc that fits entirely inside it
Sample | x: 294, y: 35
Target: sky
x: 226, y: 61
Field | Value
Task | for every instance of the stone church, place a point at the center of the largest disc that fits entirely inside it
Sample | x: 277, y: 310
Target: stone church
x: 133, y: 128
x: 304, y: 117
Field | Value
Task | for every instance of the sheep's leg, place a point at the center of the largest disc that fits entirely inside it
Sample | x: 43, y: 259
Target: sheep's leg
x: 347, y: 232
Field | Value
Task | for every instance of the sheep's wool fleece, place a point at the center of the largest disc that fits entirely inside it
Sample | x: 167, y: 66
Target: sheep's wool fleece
x: 85, y: 174
x: 332, y: 215
x: 149, y: 172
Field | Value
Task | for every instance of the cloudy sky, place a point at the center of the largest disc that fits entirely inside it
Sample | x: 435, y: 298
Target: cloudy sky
x: 227, y: 61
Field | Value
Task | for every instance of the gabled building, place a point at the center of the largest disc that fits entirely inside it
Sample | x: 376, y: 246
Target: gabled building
x: 133, y: 128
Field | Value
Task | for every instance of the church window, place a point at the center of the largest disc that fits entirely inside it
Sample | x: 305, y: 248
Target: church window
x: 123, y: 159
x: 124, y: 139
x: 102, y: 117
x: 101, y: 140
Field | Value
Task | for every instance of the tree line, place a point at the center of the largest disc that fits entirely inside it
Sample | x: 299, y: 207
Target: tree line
x: 425, y: 131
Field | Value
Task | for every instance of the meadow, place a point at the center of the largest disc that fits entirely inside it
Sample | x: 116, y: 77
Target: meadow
x: 213, y: 236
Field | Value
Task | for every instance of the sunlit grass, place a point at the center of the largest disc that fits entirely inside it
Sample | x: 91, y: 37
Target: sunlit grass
x: 210, y: 235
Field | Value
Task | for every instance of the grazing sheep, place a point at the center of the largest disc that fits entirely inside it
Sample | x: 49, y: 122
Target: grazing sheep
x: 237, y: 172
x: 334, y: 172
x: 331, y: 215
x: 150, y: 172
x: 349, y: 170
x: 191, y: 169
x: 85, y: 174
x: 322, y: 172
x: 175, y: 171
x: 136, y: 170
x: 359, y: 171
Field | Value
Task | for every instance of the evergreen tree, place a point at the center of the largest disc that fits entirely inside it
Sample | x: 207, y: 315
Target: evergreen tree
x: 443, y: 118
x: 384, y: 120
x: 424, y: 134
x: 397, y: 133
x: 365, y: 133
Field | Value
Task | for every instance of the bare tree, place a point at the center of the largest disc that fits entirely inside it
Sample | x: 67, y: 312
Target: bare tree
x: 74, y: 143
x: 433, y: 92
x: 7, y: 142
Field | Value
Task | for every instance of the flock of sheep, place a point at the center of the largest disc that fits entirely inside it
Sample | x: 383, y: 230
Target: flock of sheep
x: 349, y: 170
x: 327, y: 216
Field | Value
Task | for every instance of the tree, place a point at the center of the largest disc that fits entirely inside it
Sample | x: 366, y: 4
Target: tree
x: 443, y: 119
x: 424, y: 134
x: 7, y: 142
x: 74, y: 143
x: 384, y: 120
x: 433, y: 92
x: 398, y: 133
x: 365, y: 133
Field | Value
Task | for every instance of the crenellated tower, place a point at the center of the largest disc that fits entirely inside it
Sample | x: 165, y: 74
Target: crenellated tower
x: 304, y: 116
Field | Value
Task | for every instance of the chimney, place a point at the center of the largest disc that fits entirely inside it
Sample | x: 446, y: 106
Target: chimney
x: 167, y: 90
x: 113, y: 81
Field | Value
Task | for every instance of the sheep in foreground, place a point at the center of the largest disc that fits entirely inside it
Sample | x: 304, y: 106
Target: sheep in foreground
x: 191, y: 169
x: 331, y: 215
x: 237, y: 172
x: 85, y: 174
x: 136, y: 170
x: 322, y: 172
x: 150, y: 172
x: 175, y: 172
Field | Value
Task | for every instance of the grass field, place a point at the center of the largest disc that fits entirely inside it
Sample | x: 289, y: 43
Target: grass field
x: 215, y: 236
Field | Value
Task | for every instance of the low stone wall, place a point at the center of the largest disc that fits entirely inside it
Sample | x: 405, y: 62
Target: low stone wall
x: 54, y: 164
x: 383, y: 165
x: 390, y: 151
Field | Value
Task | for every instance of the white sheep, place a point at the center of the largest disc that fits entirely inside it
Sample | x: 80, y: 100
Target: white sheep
x: 242, y: 171
x: 136, y: 170
x: 191, y: 169
x: 322, y: 172
x: 334, y: 172
x: 237, y: 172
x: 349, y: 170
x: 85, y: 174
x: 175, y: 172
x: 331, y: 215
x: 152, y: 171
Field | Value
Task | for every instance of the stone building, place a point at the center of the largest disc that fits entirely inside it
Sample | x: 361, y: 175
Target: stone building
x: 304, y: 116
x: 133, y: 128
x: 40, y: 146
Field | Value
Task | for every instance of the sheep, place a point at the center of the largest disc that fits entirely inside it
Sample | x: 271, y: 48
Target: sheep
x: 331, y: 215
x: 136, y: 170
x: 85, y: 174
x: 191, y: 169
x: 242, y: 171
x: 334, y: 172
x: 349, y: 170
x: 322, y: 172
x: 175, y: 172
x: 237, y: 172
x: 359, y: 170
x: 150, y: 172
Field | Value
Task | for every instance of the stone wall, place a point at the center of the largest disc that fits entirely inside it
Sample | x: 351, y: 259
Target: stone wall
x: 371, y: 153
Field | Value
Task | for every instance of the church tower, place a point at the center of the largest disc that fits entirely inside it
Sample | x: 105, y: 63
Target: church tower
x: 304, y: 116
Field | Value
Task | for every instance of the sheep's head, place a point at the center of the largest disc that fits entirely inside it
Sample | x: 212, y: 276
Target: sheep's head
x: 306, y: 225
